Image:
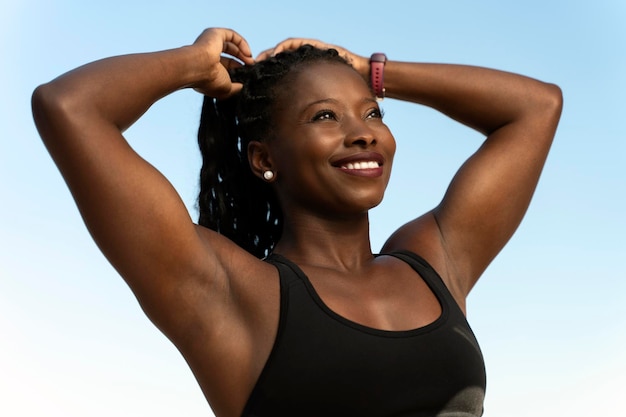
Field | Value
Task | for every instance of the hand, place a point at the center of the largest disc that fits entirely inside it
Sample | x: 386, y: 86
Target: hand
x: 359, y: 63
x: 215, y: 42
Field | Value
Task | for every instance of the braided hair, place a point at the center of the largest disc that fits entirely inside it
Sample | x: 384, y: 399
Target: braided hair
x: 232, y: 200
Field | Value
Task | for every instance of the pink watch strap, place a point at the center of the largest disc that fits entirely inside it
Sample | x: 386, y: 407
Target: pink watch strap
x: 377, y: 67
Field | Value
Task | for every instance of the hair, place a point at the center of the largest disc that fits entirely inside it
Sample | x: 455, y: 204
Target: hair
x: 232, y: 200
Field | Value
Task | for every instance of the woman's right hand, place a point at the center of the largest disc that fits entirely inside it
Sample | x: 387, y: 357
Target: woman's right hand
x: 216, y: 42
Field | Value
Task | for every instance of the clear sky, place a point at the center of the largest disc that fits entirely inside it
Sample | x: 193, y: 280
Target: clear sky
x: 550, y: 312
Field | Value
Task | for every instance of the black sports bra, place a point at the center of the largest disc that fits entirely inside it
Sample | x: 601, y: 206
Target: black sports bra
x: 324, y: 365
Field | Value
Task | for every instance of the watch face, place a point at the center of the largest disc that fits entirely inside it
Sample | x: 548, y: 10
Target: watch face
x: 378, y: 57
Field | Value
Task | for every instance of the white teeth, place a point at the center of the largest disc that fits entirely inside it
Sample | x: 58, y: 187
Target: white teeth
x: 361, y: 165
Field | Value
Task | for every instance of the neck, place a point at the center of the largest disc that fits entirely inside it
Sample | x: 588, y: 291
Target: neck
x: 329, y: 243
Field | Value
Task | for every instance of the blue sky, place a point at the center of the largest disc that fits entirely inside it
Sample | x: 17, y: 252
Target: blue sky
x: 550, y: 312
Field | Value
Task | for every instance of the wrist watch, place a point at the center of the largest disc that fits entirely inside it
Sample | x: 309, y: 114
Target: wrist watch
x: 377, y: 67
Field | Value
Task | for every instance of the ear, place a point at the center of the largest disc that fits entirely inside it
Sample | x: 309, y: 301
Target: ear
x: 259, y: 158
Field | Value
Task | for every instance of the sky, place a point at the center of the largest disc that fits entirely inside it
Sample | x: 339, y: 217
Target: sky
x: 549, y: 313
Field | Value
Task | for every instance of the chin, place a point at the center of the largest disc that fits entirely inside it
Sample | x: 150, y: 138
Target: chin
x: 372, y: 202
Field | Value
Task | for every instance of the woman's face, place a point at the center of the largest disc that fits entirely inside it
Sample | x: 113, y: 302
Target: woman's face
x: 331, y: 152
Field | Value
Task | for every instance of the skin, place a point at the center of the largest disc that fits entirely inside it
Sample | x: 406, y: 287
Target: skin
x: 218, y: 304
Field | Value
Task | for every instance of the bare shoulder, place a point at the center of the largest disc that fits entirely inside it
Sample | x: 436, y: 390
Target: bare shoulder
x: 420, y: 235
x: 423, y: 237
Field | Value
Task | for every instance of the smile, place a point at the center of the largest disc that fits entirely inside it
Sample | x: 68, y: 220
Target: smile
x: 361, y: 165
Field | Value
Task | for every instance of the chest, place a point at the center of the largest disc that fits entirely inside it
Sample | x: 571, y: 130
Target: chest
x: 337, y: 366
x: 387, y: 297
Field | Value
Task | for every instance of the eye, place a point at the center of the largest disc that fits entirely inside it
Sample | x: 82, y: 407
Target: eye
x: 324, y: 115
x: 375, y: 113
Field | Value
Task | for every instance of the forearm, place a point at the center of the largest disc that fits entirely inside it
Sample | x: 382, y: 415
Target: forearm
x: 115, y: 90
x: 481, y: 98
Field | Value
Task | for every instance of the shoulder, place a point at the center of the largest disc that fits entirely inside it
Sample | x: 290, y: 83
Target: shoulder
x: 423, y: 237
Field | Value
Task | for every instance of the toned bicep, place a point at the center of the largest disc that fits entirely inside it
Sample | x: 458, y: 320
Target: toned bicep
x: 490, y: 194
x: 132, y: 211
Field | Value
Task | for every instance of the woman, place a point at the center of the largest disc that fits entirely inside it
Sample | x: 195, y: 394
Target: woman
x: 322, y: 326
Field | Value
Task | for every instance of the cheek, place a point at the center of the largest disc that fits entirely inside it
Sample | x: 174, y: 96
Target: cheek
x: 392, y: 146
x: 389, y: 146
x: 291, y: 161
x: 312, y: 148
x: 389, y: 142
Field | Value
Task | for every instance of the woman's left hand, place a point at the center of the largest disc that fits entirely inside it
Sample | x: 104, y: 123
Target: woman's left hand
x: 359, y: 63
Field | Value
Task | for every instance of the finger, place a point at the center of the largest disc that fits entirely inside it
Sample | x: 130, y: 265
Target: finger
x: 294, y: 43
x: 233, y: 50
x: 236, y: 45
x: 290, y: 45
x: 265, y: 54
x: 235, y: 89
x: 230, y: 63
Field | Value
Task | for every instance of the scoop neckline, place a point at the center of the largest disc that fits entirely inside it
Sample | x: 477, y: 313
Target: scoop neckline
x: 435, y: 324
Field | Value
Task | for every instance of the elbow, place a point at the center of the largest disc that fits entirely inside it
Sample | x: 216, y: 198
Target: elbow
x: 542, y: 106
x: 556, y: 95
x: 51, y: 106
x: 44, y: 103
x: 39, y: 102
x: 552, y: 101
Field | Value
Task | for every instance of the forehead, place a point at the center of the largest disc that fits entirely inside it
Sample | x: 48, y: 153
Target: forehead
x: 321, y: 81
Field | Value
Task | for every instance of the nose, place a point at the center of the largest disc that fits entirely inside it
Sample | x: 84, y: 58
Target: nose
x: 359, y: 133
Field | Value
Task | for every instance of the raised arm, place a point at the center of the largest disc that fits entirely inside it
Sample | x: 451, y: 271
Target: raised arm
x: 489, y: 195
x: 131, y: 210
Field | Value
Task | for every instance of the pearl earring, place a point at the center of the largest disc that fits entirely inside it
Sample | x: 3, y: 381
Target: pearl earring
x: 268, y: 175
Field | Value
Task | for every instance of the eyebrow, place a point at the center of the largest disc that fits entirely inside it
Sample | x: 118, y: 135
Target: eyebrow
x: 335, y: 101
x: 322, y: 101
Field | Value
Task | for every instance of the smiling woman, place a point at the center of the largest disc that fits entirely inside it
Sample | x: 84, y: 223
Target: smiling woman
x: 275, y: 298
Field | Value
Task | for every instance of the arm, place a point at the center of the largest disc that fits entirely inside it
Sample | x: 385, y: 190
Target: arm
x: 131, y: 210
x: 490, y: 193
